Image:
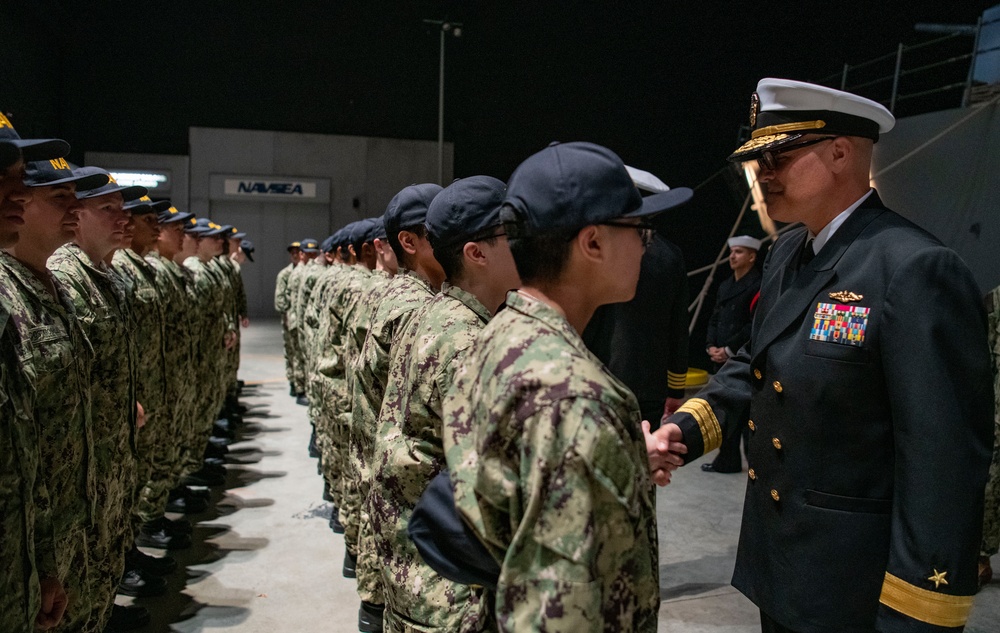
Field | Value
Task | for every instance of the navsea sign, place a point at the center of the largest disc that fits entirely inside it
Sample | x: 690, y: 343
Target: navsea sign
x: 270, y: 188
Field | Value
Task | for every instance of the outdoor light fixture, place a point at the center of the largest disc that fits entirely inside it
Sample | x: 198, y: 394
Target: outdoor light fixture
x: 444, y: 28
x: 147, y: 179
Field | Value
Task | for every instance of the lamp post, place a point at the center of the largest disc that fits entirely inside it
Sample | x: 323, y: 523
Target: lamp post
x: 445, y: 28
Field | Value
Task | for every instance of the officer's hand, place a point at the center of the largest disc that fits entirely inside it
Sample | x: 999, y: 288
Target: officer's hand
x: 54, y: 601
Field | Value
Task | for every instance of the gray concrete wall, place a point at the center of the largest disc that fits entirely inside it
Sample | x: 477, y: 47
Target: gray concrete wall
x: 361, y: 175
x: 177, y: 166
x: 940, y: 171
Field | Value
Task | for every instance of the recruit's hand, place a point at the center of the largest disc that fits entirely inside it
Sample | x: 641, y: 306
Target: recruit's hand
x: 140, y: 415
x: 230, y: 340
x: 245, y: 322
x: 663, y: 449
x: 54, y: 601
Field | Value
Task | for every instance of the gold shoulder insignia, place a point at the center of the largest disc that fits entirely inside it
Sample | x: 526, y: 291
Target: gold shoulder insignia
x: 845, y: 296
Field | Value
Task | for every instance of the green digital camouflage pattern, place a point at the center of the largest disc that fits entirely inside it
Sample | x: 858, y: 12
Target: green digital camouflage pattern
x: 294, y: 283
x: 180, y: 335
x: 346, y: 286
x: 101, y: 307
x: 155, y: 440
x: 55, y: 361
x: 403, y: 295
x: 561, y: 487
x: 409, y: 452
x: 318, y: 321
x: 210, y: 326
x: 230, y: 362
x: 19, y: 476
x: 281, y: 305
x: 991, y: 520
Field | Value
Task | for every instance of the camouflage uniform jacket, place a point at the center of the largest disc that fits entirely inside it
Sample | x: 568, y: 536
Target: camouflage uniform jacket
x: 294, y: 283
x: 561, y: 490
x: 403, y: 295
x: 148, y: 306
x: 55, y: 361
x: 171, y: 279
x: 409, y: 453
x: 19, y: 476
x: 102, y: 309
x: 208, y: 304
x: 281, y: 302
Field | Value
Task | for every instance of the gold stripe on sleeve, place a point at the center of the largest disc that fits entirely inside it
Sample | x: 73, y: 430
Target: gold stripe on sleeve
x: 931, y: 607
x: 676, y: 381
x: 708, y: 424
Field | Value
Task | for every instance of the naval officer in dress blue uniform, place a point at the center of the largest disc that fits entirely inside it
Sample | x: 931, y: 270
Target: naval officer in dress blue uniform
x: 865, y: 387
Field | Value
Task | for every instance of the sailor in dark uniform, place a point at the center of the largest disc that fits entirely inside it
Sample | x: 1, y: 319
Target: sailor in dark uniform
x: 865, y: 387
x: 729, y: 330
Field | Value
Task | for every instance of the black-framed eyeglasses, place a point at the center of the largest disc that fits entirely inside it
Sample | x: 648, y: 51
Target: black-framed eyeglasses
x: 769, y: 159
x: 645, y: 230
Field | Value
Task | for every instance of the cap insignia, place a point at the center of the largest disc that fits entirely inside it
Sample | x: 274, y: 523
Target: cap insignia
x: 754, y: 108
x: 59, y: 163
x: 5, y: 122
x: 938, y: 578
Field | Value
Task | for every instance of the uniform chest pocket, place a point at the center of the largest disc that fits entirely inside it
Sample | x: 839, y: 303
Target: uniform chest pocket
x: 837, y: 352
x: 48, y: 349
x: 145, y: 294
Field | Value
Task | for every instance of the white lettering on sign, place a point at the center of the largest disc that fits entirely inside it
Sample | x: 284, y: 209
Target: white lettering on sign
x: 272, y: 188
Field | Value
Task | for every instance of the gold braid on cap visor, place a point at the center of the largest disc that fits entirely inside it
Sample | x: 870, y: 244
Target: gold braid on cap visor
x: 783, y: 128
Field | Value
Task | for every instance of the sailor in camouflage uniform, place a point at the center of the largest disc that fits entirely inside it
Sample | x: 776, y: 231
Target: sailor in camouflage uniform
x: 417, y: 281
x: 558, y: 486
x: 281, y: 306
x: 56, y: 361
x: 463, y: 225
x: 309, y: 250
x: 102, y: 308
x: 28, y: 575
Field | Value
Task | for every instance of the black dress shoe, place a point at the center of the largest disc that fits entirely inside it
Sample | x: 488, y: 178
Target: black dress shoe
x: 211, y: 450
x: 302, y: 400
x: 370, y: 617
x: 215, y: 462
x: 187, y: 505
x: 157, y: 566
x: 197, y: 493
x: 141, y: 584
x: 710, y: 468
x: 350, y: 565
x: 161, y: 539
x: 219, y: 441
x: 127, y: 618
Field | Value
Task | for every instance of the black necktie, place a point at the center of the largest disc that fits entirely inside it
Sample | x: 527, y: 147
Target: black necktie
x: 807, y: 254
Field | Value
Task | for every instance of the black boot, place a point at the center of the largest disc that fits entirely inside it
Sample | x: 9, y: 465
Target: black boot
x: 335, y: 524
x: 157, y: 566
x: 127, y: 618
x: 370, y: 617
x: 350, y: 565
x: 140, y: 584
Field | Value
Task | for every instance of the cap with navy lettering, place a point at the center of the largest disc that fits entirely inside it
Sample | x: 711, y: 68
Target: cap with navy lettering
x: 130, y: 193
x: 144, y: 205
x: 309, y: 245
x: 463, y: 209
x: 56, y: 171
x: 236, y: 234
x: 293, y: 246
x: 784, y: 110
x: 12, y: 146
x: 568, y: 186
x: 408, y: 208
x: 172, y: 215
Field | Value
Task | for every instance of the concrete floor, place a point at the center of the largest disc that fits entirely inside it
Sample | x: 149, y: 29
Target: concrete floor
x: 264, y: 560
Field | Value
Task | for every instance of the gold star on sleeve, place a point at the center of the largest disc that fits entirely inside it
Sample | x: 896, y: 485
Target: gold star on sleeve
x: 938, y: 578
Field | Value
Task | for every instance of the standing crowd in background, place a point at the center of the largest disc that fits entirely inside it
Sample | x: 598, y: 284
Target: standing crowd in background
x: 120, y: 321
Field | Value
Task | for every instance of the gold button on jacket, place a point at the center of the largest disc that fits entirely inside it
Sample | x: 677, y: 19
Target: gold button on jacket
x: 777, y: 386
x: 775, y: 495
x: 776, y: 442
x: 753, y: 427
x: 757, y: 374
x: 752, y: 474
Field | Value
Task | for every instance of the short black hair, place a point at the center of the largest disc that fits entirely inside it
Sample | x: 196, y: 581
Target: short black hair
x: 402, y: 256
x: 540, y: 256
x: 452, y: 256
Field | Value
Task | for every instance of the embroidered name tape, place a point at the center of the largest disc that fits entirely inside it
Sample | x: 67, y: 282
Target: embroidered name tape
x: 839, y: 323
